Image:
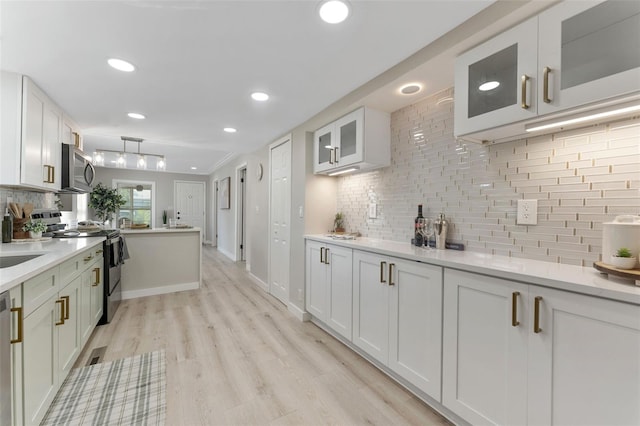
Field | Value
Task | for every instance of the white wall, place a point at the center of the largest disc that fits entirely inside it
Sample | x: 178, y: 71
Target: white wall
x: 164, y: 188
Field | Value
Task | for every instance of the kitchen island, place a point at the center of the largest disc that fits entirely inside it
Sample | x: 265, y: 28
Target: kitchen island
x: 161, y: 260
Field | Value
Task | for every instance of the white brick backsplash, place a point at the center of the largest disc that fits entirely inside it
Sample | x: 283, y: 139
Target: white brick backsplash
x: 581, y: 178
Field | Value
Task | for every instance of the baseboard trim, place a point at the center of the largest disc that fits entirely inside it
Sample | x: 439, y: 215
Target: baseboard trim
x: 133, y: 294
x: 299, y: 313
x: 261, y: 284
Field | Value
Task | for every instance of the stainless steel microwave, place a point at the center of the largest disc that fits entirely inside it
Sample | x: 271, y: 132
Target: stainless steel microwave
x: 78, y: 172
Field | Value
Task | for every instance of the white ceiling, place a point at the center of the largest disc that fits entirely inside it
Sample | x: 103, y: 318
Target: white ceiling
x: 198, y: 61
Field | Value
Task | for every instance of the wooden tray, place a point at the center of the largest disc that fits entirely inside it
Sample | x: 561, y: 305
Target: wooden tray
x: 632, y: 274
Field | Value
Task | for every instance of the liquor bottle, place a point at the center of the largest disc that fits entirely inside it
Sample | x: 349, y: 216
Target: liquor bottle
x: 419, y: 222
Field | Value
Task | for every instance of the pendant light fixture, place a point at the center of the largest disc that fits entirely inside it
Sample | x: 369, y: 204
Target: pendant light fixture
x: 121, y: 159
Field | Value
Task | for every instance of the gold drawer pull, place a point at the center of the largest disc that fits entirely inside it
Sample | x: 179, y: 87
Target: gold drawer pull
x: 382, y: 272
x: 321, y: 254
x: 514, y: 309
x: 524, y: 105
x: 20, y: 325
x: 99, y: 251
x: 67, y: 307
x: 97, y: 277
x: 326, y: 256
x: 536, y: 315
x: 391, y: 265
x: 61, y: 302
x: 88, y: 258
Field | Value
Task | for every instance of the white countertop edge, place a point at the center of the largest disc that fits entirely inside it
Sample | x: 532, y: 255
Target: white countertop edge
x: 158, y: 230
x: 578, y: 279
x: 53, y: 252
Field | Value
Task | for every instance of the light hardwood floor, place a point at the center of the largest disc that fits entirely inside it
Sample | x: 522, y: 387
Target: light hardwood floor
x: 236, y: 356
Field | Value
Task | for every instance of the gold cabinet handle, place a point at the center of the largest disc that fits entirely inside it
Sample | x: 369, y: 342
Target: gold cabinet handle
x: 545, y: 85
x: 61, y: 302
x: 97, y: 280
x: 326, y: 256
x: 99, y: 251
x: 48, y: 179
x: 514, y: 309
x: 53, y: 174
x: 321, y: 254
x: 536, y: 314
x: 331, y: 153
x: 525, y: 78
x: 335, y: 155
x: 391, y: 265
x: 88, y: 258
x: 67, y: 307
x: 382, y: 280
x: 20, y: 325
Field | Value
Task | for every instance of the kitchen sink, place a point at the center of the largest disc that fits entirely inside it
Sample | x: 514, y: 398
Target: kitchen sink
x: 8, y: 261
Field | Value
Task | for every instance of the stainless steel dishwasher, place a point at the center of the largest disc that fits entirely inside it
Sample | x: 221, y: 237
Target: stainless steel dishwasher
x: 5, y: 359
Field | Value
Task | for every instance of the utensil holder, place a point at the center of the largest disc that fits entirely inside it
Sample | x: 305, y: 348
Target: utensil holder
x: 18, y: 233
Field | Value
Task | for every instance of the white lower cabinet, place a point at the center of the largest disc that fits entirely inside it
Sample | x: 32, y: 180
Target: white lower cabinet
x: 522, y: 354
x: 69, y: 338
x: 329, y: 285
x: 397, y: 316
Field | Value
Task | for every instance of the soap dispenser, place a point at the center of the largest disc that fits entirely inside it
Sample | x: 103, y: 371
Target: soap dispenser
x: 7, y: 227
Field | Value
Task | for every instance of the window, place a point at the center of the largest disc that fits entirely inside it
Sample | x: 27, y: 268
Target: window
x: 139, y: 208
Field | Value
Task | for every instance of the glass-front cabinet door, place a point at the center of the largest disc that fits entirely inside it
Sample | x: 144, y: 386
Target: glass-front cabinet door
x: 496, y: 81
x: 349, y: 138
x: 589, y: 51
x: 323, y: 143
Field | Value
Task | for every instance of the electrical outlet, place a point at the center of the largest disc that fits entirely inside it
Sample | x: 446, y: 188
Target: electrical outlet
x: 373, y: 210
x: 527, y: 212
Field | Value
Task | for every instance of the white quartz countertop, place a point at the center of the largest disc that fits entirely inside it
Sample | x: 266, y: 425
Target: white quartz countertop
x: 53, y: 252
x: 127, y: 231
x: 585, y: 280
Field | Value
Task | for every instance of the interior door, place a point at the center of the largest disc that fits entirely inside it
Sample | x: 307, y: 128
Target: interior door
x: 279, y: 214
x: 189, y: 202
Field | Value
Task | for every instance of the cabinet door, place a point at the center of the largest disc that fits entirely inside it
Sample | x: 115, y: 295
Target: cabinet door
x: 69, y: 338
x: 97, y: 293
x: 584, y: 363
x: 484, y: 373
x: 86, y: 319
x: 371, y: 305
x: 349, y: 135
x: 340, y: 289
x: 17, y: 322
x: 40, y: 359
x: 51, y: 145
x: 415, y: 335
x: 323, y: 144
x: 316, y: 280
x: 34, y: 102
x: 495, y: 82
x: 591, y: 49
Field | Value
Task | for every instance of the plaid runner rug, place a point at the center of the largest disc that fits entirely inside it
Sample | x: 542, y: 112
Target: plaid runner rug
x: 129, y: 391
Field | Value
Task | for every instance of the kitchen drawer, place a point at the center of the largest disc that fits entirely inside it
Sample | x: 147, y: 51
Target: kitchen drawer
x: 39, y: 289
x: 72, y: 268
x: 91, y: 256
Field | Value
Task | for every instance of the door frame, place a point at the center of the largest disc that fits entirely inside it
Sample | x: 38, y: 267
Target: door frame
x: 283, y: 140
x: 214, y: 188
x: 241, y: 226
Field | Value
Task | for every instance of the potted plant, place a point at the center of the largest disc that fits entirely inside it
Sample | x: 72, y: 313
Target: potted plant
x: 338, y: 223
x: 105, y: 201
x: 623, y: 259
x: 35, y: 229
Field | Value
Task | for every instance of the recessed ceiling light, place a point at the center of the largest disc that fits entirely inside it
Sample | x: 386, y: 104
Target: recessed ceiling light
x: 230, y: 130
x: 194, y: 168
x: 489, y: 85
x: 259, y: 96
x: 334, y: 11
x: 411, y: 88
x: 121, y: 65
x: 136, y: 115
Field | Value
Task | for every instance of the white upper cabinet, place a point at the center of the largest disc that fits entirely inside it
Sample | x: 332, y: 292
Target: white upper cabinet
x: 31, y: 135
x: 573, y: 58
x: 361, y: 140
x: 589, y: 51
x: 495, y: 82
x: 71, y: 132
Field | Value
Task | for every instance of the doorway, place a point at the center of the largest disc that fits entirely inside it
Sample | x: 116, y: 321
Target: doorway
x: 189, y: 202
x: 279, y: 218
x: 241, y: 211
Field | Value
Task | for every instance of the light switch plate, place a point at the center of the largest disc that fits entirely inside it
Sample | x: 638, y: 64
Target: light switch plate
x: 373, y: 210
x: 527, y: 212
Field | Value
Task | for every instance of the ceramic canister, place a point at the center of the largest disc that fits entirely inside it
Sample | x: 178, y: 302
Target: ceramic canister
x: 623, y: 231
